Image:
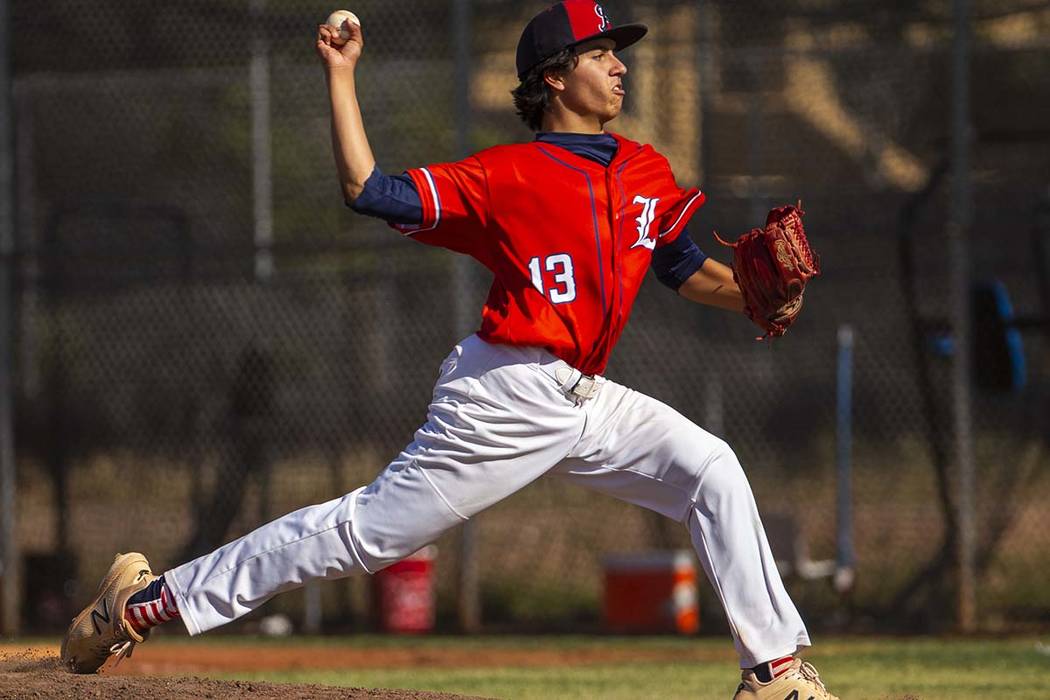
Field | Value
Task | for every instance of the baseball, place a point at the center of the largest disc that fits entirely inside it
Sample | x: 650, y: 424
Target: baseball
x: 337, y: 18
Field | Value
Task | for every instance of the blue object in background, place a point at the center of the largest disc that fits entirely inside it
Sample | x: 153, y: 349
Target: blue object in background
x: 998, y: 351
x: 998, y: 358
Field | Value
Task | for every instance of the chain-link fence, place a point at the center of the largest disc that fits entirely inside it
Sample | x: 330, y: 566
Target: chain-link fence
x: 206, y: 338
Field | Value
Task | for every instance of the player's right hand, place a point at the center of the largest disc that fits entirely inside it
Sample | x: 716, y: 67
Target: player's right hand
x: 336, y: 54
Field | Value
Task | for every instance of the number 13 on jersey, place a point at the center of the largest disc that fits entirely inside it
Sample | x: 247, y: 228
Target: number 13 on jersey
x: 563, y: 289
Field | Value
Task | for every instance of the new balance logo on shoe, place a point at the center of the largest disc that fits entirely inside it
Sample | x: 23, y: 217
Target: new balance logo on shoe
x: 97, y: 617
x: 96, y: 633
x: 793, y: 695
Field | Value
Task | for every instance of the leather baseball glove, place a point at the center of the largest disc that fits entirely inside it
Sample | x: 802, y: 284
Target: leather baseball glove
x: 771, y: 266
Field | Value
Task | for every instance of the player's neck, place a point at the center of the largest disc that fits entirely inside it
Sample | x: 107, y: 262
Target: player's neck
x: 565, y: 122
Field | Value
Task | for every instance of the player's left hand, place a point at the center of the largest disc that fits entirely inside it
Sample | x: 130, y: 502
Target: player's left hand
x: 772, y: 266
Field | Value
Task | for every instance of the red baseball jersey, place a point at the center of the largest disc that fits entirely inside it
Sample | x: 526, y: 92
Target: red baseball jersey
x: 568, y: 240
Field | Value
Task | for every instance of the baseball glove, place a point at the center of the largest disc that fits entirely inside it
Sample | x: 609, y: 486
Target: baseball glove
x: 771, y: 266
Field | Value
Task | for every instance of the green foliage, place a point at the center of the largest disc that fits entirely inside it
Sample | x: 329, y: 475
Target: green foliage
x: 548, y: 604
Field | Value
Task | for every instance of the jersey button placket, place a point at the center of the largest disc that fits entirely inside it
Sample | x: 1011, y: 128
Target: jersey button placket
x: 612, y: 216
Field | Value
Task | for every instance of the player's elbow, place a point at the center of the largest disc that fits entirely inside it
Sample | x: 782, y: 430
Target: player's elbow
x: 351, y: 191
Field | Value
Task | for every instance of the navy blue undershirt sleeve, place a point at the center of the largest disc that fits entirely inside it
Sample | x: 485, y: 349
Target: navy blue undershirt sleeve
x: 392, y: 198
x: 676, y: 262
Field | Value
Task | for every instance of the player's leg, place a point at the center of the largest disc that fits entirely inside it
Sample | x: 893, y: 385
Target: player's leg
x: 644, y: 452
x: 488, y: 434
x: 495, y: 424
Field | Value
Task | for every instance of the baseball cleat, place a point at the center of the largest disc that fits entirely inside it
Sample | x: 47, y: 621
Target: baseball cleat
x: 800, y: 682
x: 100, y: 631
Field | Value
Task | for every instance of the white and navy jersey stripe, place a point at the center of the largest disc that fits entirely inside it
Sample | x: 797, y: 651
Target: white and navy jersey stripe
x: 433, y: 203
x: 686, y: 213
x: 392, y: 198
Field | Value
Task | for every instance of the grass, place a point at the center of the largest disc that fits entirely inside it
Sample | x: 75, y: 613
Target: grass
x: 855, y: 669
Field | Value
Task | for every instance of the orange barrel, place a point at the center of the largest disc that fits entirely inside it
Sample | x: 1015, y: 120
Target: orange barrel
x: 404, y: 593
x: 651, y: 592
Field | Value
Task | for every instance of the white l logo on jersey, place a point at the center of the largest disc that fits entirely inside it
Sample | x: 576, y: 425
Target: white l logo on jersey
x: 645, y: 220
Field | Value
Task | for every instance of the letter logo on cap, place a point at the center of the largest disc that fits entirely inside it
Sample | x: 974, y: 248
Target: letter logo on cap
x: 603, y: 22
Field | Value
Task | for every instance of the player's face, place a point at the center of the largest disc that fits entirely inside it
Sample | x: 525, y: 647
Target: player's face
x: 595, y: 86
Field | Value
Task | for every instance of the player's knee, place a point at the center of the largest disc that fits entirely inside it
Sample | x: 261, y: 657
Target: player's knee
x: 375, y: 559
x: 722, y: 478
x: 375, y: 553
x: 723, y: 454
x: 711, y: 464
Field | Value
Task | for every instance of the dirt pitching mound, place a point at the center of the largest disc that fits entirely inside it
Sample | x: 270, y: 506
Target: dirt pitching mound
x: 35, y: 674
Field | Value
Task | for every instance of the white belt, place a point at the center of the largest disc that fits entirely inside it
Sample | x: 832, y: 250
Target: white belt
x: 576, y: 383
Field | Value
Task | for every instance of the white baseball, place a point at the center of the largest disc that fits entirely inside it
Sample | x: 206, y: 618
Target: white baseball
x: 337, y: 18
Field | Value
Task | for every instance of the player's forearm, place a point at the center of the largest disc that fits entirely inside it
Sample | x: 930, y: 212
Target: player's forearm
x: 353, y: 155
x: 713, y: 285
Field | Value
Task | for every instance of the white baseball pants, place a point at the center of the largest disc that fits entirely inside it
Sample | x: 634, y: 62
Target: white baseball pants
x: 500, y: 418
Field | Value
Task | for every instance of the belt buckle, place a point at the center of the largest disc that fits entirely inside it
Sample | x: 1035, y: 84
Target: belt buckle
x: 588, y: 387
x: 576, y: 383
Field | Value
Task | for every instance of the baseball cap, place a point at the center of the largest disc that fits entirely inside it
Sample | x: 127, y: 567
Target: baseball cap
x: 567, y: 24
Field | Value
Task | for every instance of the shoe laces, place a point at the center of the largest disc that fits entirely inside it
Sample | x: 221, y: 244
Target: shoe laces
x: 810, y: 674
x: 121, y: 651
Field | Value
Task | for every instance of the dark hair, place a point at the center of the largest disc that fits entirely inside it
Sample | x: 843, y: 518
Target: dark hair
x: 533, y: 96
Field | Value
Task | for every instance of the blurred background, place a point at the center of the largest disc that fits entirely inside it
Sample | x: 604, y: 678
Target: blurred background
x: 199, y: 337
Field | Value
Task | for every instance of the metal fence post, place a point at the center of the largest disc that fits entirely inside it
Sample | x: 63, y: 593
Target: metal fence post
x: 262, y: 144
x: 704, y: 86
x: 469, y: 593
x: 845, y: 557
x: 9, y: 556
x: 756, y: 193
x: 960, y: 221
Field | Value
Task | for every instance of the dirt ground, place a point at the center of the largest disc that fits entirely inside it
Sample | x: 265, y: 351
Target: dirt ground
x: 167, y: 671
x: 36, y: 673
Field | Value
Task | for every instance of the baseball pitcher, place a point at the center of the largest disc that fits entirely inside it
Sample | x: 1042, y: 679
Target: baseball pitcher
x: 568, y: 223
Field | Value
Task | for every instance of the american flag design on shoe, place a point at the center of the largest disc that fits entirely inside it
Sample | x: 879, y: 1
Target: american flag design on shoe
x: 151, y: 606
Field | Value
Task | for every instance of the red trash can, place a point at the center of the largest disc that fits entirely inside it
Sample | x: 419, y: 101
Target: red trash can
x: 404, y: 593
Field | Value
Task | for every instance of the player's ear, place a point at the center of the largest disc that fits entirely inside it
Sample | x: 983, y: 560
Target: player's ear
x: 555, y: 80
